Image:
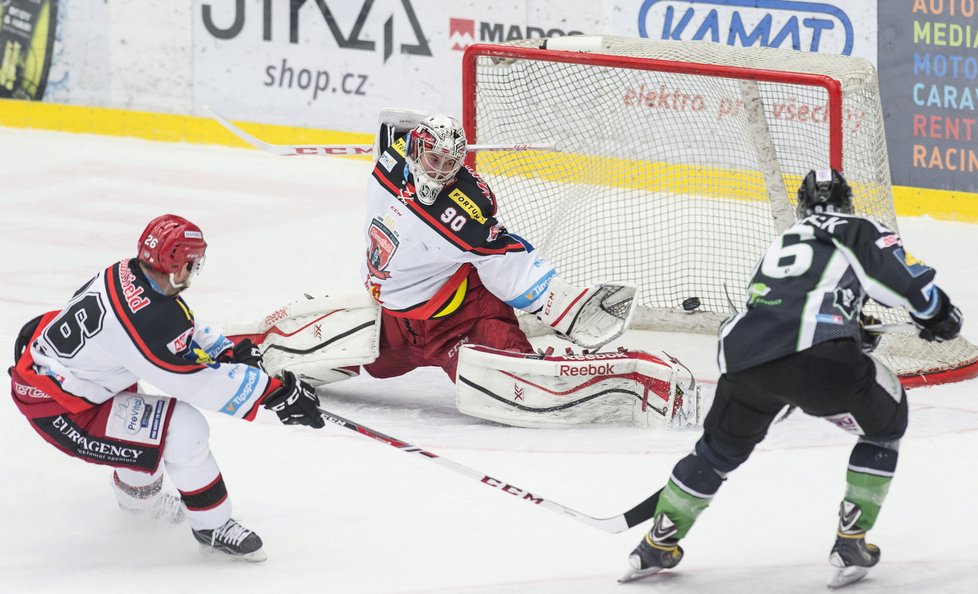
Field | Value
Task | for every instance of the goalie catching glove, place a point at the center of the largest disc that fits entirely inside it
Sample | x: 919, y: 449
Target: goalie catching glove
x: 295, y: 402
x: 589, y: 316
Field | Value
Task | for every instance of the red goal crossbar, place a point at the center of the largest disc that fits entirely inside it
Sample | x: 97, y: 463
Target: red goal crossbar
x: 472, y: 54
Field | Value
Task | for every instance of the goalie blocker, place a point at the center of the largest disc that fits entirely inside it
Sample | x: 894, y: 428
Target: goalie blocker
x: 545, y: 390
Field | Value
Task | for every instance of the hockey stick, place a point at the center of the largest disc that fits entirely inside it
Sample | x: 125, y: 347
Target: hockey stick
x: 890, y: 328
x: 336, y: 150
x: 613, y: 525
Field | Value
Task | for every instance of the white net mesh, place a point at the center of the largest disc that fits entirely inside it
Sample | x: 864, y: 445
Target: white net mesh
x: 678, y: 181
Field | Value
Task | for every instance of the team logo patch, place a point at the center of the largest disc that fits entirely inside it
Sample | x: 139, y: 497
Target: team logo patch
x: 830, y: 319
x: 758, y: 294
x: 383, y: 244
x: 914, y: 266
x: 137, y: 418
x: 846, y: 422
x: 888, y: 241
x: 845, y: 301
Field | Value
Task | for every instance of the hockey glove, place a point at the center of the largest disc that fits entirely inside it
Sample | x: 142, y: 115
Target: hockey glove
x: 589, y: 316
x: 945, y: 325
x: 870, y: 340
x: 245, y: 352
x: 295, y: 402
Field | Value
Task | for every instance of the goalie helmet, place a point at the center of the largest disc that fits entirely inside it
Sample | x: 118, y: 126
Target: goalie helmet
x: 170, y: 244
x: 824, y: 190
x: 436, y: 149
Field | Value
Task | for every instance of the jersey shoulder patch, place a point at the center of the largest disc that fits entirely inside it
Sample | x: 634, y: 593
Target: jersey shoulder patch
x: 390, y: 167
x: 472, y: 191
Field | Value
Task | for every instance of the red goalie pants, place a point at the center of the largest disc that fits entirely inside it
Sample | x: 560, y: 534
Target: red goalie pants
x: 483, y: 319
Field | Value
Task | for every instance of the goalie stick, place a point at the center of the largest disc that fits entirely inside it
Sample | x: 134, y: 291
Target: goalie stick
x: 613, y: 525
x: 338, y: 150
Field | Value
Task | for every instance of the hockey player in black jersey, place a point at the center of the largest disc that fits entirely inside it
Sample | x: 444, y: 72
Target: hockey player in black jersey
x: 799, y: 343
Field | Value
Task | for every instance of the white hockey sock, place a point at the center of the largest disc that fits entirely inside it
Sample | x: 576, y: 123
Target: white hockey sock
x: 193, y: 469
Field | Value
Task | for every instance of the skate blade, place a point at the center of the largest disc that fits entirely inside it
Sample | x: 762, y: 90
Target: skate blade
x: 846, y: 576
x: 254, y: 557
x: 636, y: 574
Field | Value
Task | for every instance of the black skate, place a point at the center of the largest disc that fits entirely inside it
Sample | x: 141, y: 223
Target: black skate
x: 231, y: 539
x: 657, y: 551
x: 851, y: 555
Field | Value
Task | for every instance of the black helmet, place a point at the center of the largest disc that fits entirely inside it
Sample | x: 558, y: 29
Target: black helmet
x: 824, y: 191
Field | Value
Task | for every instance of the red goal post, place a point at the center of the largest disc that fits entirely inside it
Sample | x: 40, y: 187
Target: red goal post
x: 679, y: 163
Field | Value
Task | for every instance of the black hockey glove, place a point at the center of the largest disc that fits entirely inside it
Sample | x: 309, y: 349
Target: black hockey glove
x: 870, y: 340
x: 245, y: 352
x: 945, y: 325
x: 295, y: 402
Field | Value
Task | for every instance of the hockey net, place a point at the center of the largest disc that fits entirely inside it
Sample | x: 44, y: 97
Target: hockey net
x: 679, y: 163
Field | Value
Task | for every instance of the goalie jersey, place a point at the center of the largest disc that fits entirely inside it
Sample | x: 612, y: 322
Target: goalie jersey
x: 419, y: 258
x: 812, y: 282
x: 117, y: 329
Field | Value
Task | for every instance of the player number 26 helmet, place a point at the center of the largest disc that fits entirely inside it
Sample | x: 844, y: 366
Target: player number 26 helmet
x: 824, y: 190
x: 171, y: 243
x: 436, y: 151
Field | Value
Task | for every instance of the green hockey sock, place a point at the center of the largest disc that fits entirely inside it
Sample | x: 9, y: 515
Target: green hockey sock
x: 868, y: 492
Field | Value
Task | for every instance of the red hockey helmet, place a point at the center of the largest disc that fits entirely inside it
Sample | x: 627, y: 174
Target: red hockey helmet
x: 170, y: 243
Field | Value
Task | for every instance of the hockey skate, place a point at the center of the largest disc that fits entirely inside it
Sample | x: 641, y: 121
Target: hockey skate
x: 657, y: 551
x: 851, y: 555
x: 231, y: 539
x: 149, y: 501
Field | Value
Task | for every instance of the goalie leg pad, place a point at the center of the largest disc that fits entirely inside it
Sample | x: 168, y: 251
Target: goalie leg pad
x: 321, y: 340
x: 623, y: 387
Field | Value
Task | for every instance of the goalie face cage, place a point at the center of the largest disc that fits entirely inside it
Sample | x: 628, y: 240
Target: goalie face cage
x: 680, y: 163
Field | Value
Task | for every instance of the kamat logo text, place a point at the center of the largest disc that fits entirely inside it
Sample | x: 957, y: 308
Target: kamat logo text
x: 788, y: 24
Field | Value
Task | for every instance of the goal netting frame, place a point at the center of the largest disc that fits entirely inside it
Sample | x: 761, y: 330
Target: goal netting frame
x: 679, y: 163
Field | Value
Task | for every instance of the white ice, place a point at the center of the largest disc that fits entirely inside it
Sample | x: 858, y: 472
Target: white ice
x: 342, y: 513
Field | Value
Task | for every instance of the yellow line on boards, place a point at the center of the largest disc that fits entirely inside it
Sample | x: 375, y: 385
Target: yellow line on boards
x: 908, y: 201
x: 157, y: 126
x: 946, y: 205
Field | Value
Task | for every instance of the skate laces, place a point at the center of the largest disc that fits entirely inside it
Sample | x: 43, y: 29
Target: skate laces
x: 168, y: 507
x: 231, y: 533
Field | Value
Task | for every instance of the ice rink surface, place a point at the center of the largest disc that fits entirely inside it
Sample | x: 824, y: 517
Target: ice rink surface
x: 342, y: 513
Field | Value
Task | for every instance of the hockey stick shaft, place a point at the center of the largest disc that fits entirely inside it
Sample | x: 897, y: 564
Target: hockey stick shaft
x: 340, y: 150
x: 890, y: 328
x: 638, y: 514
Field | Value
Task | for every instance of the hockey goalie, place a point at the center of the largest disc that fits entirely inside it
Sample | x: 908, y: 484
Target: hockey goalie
x: 443, y: 277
